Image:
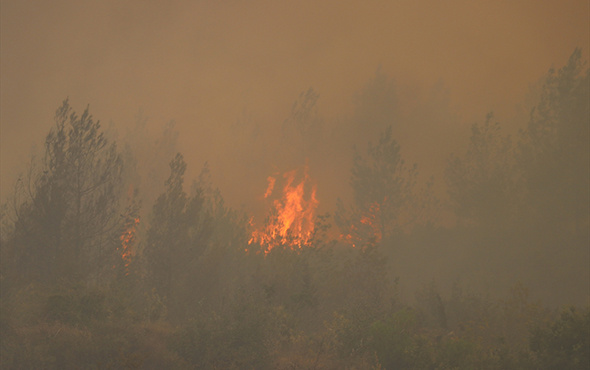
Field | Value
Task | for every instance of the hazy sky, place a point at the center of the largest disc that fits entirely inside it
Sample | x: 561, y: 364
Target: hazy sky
x: 203, y: 62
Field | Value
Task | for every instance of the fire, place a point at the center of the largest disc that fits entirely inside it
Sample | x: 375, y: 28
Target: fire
x: 366, y: 229
x: 372, y: 220
x: 127, y: 239
x: 271, y: 185
x: 291, y: 222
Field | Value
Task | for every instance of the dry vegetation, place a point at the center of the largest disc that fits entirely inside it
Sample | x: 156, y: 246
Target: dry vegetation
x: 96, y: 274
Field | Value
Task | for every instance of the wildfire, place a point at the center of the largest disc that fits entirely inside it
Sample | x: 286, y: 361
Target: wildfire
x: 372, y: 219
x: 367, y: 229
x: 127, y: 239
x: 291, y: 222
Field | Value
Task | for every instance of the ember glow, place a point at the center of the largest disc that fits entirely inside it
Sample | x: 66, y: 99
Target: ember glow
x: 127, y: 239
x: 292, y: 216
x: 366, y: 230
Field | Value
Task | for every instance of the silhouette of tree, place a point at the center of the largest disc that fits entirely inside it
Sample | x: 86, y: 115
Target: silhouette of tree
x: 382, y: 186
x: 481, y: 183
x: 302, y: 131
x: 178, y: 235
x: 67, y: 219
x: 554, y: 152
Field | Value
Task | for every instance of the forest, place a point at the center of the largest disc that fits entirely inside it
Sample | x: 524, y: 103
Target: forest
x: 110, y: 258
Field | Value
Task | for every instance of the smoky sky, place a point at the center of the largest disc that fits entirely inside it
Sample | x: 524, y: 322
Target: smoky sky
x: 204, y: 63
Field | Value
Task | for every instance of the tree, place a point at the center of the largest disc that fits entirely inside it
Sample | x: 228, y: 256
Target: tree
x: 382, y: 186
x: 303, y: 129
x: 376, y: 107
x: 565, y: 343
x: 554, y: 151
x: 553, y: 159
x: 67, y: 220
x: 481, y: 183
x: 148, y: 155
x: 178, y: 235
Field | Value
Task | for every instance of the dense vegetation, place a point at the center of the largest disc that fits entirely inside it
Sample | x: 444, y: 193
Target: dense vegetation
x: 97, y: 274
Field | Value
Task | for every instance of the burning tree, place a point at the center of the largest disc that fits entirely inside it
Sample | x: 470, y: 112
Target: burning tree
x: 291, y: 221
x: 127, y: 241
x: 382, y: 188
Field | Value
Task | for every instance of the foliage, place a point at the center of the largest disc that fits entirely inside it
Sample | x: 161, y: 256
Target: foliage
x: 177, y: 237
x: 239, y: 339
x: 381, y: 187
x: 523, y: 208
x: 106, y: 345
x: 554, y: 150
x: 302, y: 130
x: 565, y: 344
x: 67, y: 209
x: 71, y: 299
x: 376, y: 107
x: 481, y: 184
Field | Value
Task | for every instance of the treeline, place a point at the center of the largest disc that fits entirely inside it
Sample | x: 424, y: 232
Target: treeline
x: 96, y: 274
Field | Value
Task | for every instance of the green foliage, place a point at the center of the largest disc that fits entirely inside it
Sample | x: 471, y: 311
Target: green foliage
x: 525, y: 206
x: 70, y: 301
x: 481, y: 184
x: 394, y: 340
x: 382, y: 187
x: 67, y: 208
x: 302, y: 131
x: 456, y: 353
x: 106, y: 345
x: 238, y: 339
x: 178, y: 235
x: 431, y: 303
x: 376, y: 107
x: 76, y: 308
x: 565, y: 343
x: 554, y: 153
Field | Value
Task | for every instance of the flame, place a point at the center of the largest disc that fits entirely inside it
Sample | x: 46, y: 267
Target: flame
x: 292, y: 219
x: 271, y: 185
x: 366, y: 229
x: 372, y: 219
x: 127, y: 238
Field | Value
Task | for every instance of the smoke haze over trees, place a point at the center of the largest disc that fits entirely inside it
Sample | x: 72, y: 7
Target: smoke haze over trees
x: 258, y: 219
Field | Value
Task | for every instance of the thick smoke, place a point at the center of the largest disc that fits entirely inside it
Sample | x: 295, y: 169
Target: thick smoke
x: 308, y: 185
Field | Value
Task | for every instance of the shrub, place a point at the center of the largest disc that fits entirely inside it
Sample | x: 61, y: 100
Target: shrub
x: 565, y: 344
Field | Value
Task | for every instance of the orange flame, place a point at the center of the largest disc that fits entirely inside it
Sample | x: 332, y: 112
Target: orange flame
x: 367, y: 229
x: 127, y: 239
x: 292, y: 221
x: 271, y: 186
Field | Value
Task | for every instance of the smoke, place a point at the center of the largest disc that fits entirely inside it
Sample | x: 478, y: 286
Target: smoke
x: 203, y: 64
x: 293, y: 182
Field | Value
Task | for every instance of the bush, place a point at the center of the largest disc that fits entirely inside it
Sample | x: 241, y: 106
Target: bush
x: 565, y: 344
x: 78, y: 307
